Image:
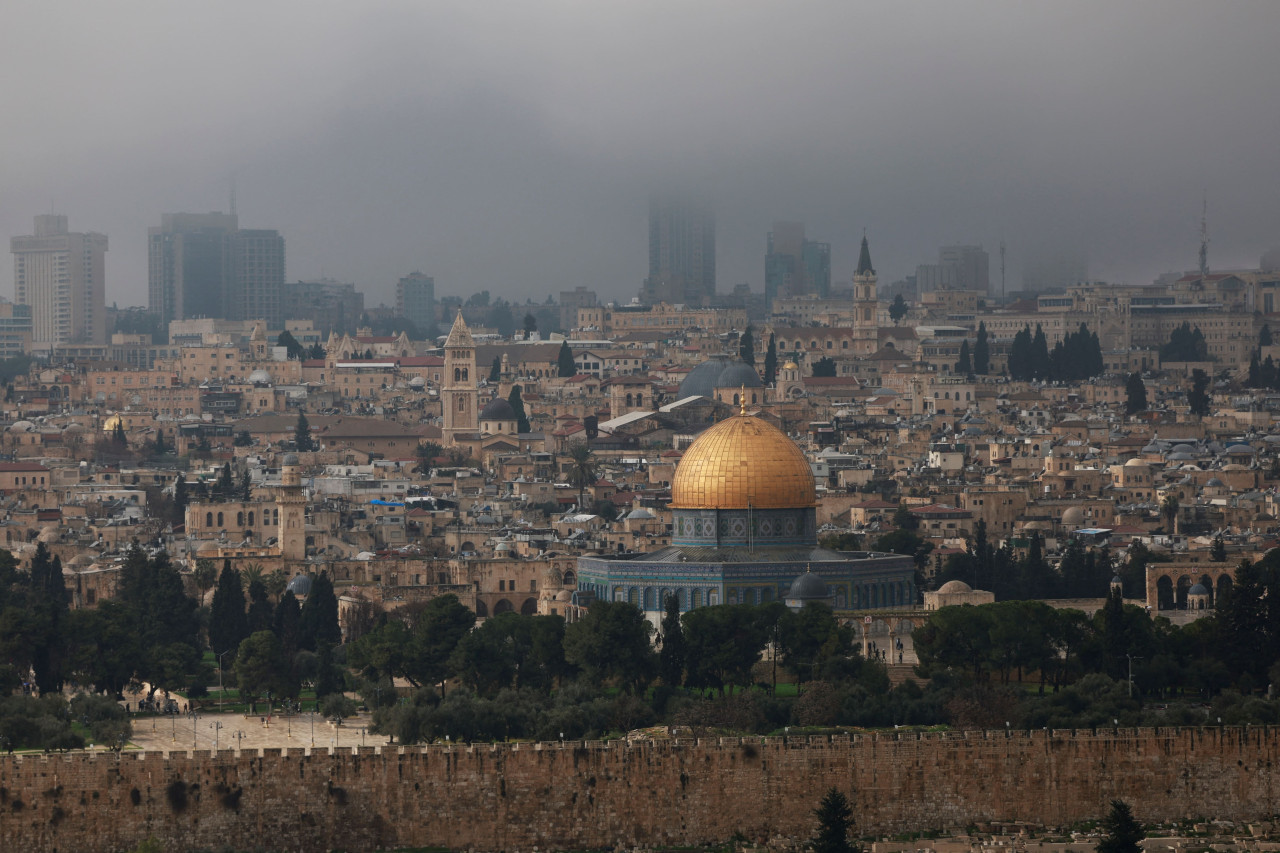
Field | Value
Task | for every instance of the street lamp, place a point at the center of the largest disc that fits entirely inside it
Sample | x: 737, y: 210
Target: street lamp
x: 193, y: 730
x: 217, y: 729
x: 221, y: 692
x: 1131, y: 658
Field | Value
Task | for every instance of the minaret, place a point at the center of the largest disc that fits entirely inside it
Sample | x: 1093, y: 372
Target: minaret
x: 866, y: 307
x: 291, y: 504
x: 459, y: 396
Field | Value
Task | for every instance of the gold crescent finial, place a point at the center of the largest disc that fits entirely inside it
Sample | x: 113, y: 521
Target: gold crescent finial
x: 742, y: 398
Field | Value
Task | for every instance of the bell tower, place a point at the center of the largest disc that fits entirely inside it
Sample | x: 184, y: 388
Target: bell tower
x: 459, y: 396
x: 866, y: 307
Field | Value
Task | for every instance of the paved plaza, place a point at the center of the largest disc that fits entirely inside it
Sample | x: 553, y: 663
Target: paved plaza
x: 240, y: 731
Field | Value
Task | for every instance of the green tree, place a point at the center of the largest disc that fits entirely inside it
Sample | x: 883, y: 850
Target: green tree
x: 1135, y: 391
x: 1264, y: 336
x: 261, y: 669
x: 582, y: 469
x: 319, y: 617
x: 302, y: 434
x: 47, y: 609
x: 982, y: 352
x: 771, y: 361
x: 495, y: 370
x: 965, y: 365
x: 180, y: 501
x: 825, y: 366
x: 671, y: 660
x: 1121, y: 833
x: 517, y: 405
x: 835, y: 819
x: 228, y: 623
x: 1169, y: 508
x: 747, y: 346
x: 290, y: 343
x: 415, y: 643
x: 205, y: 574
x: 530, y: 323
x: 724, y: 642
x: 427, y: 452
x: 1198, y: 397
x: 565, y: 365
x: 316, y: 353
x: 1218, y: 553
x: 611, y: 643
x: 897, y: 309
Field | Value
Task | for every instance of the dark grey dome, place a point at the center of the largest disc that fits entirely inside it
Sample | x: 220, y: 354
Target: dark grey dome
x: 739, y: 375
x: 300, y: 585
x: 720, y: 371
x: 808, y: 587
x: 1198, y: 589
x: 498, y: 409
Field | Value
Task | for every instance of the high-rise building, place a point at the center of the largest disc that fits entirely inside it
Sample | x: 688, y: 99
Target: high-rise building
x: 794, y: 266
x: 331, y: 306
x: 682, y: 253
x: 416, y: 302
x: 257, y: 277
x: 958, y: 268
x: 15, y: 329
x: 203, y: 265
x: 62, y: 277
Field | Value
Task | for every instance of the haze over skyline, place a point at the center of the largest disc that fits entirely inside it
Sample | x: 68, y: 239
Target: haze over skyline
x: 514, y: 147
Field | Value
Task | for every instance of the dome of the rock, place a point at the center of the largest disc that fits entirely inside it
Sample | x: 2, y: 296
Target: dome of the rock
x: 743, y: 462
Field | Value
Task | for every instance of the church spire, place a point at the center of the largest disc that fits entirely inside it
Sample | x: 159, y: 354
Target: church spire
x: 459, y: 335
x: 864, y: 259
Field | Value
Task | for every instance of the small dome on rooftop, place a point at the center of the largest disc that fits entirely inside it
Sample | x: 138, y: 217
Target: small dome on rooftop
x: 808, y: 587
x: 498, y: 409
x: 955, y: 587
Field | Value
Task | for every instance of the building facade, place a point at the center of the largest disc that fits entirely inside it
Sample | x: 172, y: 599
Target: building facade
x: 682, y: 253
x: 416, y: 302
x: 61, y: 277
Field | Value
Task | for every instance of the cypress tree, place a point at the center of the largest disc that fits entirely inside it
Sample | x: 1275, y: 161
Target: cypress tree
x: 517, y: 405
x: 964, y: 366
x: 771, y: 362
x: 982, y: 352
x: 318, y: 622
x: 564, y: 361
x: 228, y: 623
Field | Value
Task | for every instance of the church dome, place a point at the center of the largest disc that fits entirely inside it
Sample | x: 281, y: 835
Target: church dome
x: 498, y: 409
x: 955, y: 587
x: 743, y: 462
x: 739, y: 375
x: 1073, y: 516
x: 790, y: 365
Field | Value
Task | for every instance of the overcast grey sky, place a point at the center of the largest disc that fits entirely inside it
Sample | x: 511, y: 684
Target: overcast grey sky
x: 513, y: 146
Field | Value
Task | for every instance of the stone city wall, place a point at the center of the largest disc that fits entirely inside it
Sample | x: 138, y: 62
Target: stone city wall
x: 583, y: 795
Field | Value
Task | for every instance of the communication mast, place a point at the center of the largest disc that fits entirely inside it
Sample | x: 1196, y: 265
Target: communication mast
x: 1002, y: 297
x: 1204, y: 237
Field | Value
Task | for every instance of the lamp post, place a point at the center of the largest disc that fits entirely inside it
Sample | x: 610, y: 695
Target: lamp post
x: 193, y: 730
x: 313, y: 728
x: 221, y: 691
x: 217, y: 730
x: 1131, y: 658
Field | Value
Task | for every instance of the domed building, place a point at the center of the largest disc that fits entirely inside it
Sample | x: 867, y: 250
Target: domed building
x: 726, y: 379
x: 744, y: 528
x: 498, y: 418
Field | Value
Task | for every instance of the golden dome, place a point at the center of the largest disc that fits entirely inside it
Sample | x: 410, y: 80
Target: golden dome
x: 743, y: 461
x: 110, y: 424
x: 790, y: 365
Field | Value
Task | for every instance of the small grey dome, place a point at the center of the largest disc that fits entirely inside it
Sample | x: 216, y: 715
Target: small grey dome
x: 739, y: 375
x: 290, y: 459
x: 498, y: 409
x: 260, y: 377
x: 1214, y: 482
x: 1198, y: 589
x: 300, y: 585
x: 808, y: 587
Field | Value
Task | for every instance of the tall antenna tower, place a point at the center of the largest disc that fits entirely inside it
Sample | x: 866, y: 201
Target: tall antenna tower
x: 1002, y: 297
x: 1204, y: 236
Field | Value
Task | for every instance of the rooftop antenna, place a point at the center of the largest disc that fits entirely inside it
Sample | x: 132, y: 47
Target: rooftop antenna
x: 1204, y: 237
x: 1002, y: 296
